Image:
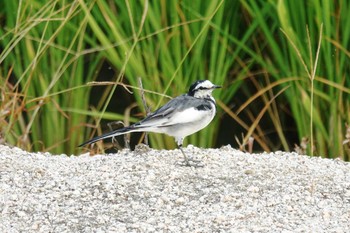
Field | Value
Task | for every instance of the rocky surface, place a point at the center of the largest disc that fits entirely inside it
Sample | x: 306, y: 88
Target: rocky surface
x: 148, y: 191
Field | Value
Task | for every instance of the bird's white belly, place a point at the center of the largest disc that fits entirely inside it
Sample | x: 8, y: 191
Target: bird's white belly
x: 189, y: 122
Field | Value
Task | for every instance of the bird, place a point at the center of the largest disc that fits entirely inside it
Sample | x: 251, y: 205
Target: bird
x: 179, y: 118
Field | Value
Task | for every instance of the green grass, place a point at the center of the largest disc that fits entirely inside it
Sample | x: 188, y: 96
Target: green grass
x: 277, y: 82
x: 319, y: 101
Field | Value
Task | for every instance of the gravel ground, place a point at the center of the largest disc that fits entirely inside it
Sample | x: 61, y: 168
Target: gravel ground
x: 146, y: 191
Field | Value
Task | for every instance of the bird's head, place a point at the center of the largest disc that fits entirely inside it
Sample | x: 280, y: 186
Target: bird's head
x: 202, y: 89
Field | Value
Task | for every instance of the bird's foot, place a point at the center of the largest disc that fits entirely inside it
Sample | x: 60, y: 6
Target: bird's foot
x: 191, y: 163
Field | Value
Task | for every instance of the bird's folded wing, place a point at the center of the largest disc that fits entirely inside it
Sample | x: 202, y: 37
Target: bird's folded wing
x: 181, y: 111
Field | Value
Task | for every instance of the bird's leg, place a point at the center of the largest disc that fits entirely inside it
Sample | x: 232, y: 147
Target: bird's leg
x: 186, y: 162
x: 179, y: 141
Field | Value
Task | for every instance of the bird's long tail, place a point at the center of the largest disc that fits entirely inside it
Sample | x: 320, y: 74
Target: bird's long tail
x: 117, y: 132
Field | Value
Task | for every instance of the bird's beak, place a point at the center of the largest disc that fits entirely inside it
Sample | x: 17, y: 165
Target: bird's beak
x: 216, y: 86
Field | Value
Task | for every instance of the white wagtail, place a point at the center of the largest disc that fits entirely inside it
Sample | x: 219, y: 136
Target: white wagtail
x: 180, y: 117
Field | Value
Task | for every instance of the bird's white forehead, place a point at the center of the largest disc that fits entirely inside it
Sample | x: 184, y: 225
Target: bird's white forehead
x: 206, y: 84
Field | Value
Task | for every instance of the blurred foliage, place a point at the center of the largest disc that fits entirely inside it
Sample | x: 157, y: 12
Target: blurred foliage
x: 65, y: 65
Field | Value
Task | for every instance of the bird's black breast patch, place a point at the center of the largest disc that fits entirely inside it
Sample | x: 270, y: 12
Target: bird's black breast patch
x: 203, y: 107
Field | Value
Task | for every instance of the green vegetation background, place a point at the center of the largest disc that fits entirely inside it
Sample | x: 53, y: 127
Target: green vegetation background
x: 65, y: 66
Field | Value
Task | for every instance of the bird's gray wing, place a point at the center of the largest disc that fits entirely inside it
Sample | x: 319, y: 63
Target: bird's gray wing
x: 173, y: 112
